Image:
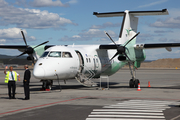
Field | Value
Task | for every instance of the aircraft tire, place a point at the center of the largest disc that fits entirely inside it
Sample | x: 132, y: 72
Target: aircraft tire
x: 131, y: 83
x: 136, y: 82
x: 47, y: 84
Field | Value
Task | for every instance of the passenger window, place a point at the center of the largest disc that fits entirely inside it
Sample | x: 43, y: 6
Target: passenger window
x: 44, y: 54
x: 55, y: 54
x: 66, y: 55
x: 87, y: 60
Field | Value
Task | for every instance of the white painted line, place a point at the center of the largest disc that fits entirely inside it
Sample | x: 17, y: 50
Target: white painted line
x: 148, y: 101
x: 149, y: 105
x: 128, y: 110
x: 132, y: 107
x: 126, y: 116
x: 142, y: 107
x: 127, y: 113
x: 151, y: 100
x: 119, y: 119
x: 154, y: 104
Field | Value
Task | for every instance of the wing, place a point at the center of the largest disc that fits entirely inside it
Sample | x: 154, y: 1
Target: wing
x: 108, y: 46
x: 143, y: 46
x: 156, y: 45
x: 18, y: 47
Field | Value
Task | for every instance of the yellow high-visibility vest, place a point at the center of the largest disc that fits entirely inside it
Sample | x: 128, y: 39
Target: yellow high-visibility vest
x: 7, y: 77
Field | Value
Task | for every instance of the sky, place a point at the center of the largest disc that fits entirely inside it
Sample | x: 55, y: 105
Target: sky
x: 67, y: 22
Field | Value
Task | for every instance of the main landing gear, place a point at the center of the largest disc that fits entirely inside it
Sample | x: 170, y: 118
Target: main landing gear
x: 47, y: 84
x: 133, y: 82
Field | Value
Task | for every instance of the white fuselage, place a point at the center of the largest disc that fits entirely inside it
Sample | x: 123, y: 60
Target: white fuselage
x: 53, y: 64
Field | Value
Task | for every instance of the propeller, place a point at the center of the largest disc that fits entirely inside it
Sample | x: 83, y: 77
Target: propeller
x: 29, y: 50
x: 122, y: 48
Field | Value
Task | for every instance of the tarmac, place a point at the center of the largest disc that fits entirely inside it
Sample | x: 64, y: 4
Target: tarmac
x: 73, y: 101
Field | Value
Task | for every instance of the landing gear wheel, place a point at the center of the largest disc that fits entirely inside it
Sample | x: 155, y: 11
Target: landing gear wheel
x: 50, y: 84
x: 131, y: 83
x: 44, y: 85
x: 47, y: 84
x: 136, y: 82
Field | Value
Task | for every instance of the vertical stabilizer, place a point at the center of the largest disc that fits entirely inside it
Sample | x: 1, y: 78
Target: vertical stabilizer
x: 128, y: 27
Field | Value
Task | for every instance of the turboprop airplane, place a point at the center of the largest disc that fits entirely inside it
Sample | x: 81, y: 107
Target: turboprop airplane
x: 84, y: 62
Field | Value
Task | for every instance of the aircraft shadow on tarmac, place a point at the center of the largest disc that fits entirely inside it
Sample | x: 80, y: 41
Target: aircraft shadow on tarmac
x: 61, y: 87
x: 112, y: 85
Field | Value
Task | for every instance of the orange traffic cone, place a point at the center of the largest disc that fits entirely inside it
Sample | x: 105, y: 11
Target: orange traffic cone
x: 149, y: 84
x: 139, y: 89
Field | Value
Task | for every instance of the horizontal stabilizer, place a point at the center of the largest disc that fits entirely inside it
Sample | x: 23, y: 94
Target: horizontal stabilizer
x: 134, y: 13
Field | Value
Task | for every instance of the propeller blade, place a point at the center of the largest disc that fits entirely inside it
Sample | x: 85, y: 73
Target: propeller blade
x: 18, y: 56
x: 110, y: 37
x: 114, y: 56
x: 24, y: 38
x: 41, y: 44
x: 132, y: 39
x: 32, y: 58
x: 127, y: 57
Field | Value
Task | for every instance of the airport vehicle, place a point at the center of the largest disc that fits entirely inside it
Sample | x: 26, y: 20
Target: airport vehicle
x: 84, y: 62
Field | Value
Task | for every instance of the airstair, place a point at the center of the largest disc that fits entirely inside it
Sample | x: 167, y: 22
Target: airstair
x: 85, y: 78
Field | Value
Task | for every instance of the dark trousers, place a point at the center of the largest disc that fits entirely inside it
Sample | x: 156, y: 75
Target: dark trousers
x: 26, y: 90
x: 11, y: 85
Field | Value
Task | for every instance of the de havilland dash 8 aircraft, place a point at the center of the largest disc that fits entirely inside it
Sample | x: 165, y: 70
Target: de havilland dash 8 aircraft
x: 84, y: 62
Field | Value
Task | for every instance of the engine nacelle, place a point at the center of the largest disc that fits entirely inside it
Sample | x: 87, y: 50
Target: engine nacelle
x: 121, y: 58
x: 29, y: 50
x: 28, y: 58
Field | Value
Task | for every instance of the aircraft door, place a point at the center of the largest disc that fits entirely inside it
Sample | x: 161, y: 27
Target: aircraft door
x: 96, y: 62
x: 81, y: 61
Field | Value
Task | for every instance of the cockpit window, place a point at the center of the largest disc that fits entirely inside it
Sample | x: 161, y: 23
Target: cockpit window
x: 54, y: 54
x: 44, y: 54
x: 66, y: 55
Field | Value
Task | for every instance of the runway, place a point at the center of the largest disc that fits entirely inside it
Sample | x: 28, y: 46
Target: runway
x: 73, y: 101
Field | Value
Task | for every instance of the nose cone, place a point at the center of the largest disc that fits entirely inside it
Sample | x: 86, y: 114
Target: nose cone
x: 39, y: 72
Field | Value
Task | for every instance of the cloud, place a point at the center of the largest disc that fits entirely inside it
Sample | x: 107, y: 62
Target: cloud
x: 105, y: 25
x: 13, y: 35
x: 89, y: 35
x: 72, y: 1
x: 168, y: 23
x: 144, y: 37
x: 174, y: 40
x: 163, y: 31
x: 153, y: 3
x: 30, y: 18
x: 44, y: 3
x: 163, y: 39
x: 48, y: 3
x: 154, y: 54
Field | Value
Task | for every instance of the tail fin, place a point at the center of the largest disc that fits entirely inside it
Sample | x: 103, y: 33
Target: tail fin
x: 128, y: 28
x: 130, y: 22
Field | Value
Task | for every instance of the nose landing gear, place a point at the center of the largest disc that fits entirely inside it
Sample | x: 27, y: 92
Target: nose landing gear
x: 47, y: 84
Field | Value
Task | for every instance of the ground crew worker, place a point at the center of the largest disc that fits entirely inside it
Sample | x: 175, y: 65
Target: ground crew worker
x: 26, y: 81
x: 11, y: 78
